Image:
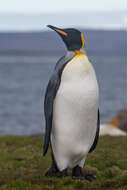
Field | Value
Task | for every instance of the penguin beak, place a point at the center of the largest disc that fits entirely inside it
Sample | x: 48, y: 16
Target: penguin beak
x: 58, y: 30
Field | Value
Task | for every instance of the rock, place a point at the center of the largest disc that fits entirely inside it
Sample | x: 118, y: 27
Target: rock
x: 106, y: 129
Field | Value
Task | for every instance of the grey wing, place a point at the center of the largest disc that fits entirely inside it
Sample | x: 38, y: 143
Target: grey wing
x: 51, y: 91
x: 97, y: 134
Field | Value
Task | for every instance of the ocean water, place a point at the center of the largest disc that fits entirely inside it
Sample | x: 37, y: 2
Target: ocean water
x: 23, y: 81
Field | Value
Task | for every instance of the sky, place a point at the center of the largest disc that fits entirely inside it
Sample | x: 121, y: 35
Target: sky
x: 55, y: 6
x: 27, y: 15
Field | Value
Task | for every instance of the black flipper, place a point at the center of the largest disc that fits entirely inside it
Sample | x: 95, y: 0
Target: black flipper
x: 50, y: 95
x: 97, y: 134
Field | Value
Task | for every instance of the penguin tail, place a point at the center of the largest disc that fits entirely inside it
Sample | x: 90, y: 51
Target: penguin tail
x: 44, y: 152
x: 45, y: 148
x: 46, y: 142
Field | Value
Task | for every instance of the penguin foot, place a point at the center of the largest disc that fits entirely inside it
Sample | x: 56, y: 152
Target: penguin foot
x: 51, y: 172
x: 78, y: 174
x: 89, y: 177
x: 63, y: 173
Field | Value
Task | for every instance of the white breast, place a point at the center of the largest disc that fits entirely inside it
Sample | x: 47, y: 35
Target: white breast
x: 75, y: 113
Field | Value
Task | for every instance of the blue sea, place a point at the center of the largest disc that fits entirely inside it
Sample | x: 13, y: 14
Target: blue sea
x: 23, y: 81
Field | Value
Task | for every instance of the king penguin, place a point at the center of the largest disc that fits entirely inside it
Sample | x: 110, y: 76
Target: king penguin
x: 71, y: 109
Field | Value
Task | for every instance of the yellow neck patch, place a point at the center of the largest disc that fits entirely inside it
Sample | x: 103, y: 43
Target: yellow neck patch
x: 79, y: 53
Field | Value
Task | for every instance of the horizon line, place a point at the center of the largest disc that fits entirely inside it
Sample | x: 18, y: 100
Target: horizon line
x: 110, y: 28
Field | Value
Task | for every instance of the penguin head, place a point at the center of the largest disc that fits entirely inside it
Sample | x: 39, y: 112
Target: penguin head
x: 73, y: 39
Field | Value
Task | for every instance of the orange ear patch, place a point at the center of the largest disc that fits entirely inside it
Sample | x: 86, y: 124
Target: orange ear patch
x: 83, y: 41
x: 61, y: 32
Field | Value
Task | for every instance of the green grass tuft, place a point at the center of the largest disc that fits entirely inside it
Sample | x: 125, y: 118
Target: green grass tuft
x: 22, y: 166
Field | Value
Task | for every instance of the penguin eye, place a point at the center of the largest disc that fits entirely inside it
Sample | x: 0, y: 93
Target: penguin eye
x: 61, y: 32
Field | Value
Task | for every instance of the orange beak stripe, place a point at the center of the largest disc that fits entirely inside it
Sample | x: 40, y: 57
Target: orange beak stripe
x: 61, y: 32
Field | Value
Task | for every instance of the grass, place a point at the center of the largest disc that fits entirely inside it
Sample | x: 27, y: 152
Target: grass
x: 22, y: 166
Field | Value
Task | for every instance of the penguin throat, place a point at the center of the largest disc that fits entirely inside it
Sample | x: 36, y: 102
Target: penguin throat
x: 79, y: 53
